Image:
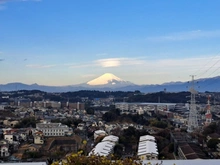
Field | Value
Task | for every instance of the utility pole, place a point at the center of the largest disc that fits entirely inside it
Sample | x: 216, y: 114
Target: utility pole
x: 192, y: 121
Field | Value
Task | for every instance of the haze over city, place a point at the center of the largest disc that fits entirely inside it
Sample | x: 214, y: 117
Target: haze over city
x: 72, y: 42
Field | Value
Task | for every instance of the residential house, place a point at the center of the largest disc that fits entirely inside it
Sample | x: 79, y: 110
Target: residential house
x: 10, y: 123
x: 4, y: 148
x: 33, y: 148
x: 9, y: 137
x: 38, y: 137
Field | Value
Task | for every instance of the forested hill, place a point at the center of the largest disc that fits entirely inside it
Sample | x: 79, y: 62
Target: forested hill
x: 119, y: 96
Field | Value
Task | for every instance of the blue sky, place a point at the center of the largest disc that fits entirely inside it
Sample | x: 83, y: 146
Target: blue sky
x: 64, y: 42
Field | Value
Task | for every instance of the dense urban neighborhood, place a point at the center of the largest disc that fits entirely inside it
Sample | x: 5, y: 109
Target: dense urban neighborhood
x: 39, y: 126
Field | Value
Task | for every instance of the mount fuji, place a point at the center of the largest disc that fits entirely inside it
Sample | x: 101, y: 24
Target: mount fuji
x: 108, y: 80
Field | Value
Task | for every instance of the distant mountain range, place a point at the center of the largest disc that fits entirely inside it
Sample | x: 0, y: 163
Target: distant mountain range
x: 110, y: 82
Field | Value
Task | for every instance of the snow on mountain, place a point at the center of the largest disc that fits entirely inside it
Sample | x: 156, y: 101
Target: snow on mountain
x: 107, y: 79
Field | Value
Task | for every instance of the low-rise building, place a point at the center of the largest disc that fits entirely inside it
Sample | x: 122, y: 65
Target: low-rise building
x: 105, y: 147
x: 99, y: 133
x: 38, y: 137
x: 10, y: 123
x: 52, y: 129
x: 9, y: 137
x: 147, y: 148
x: 140, y: 108
x: 4, y: 148
x: 190, y: 151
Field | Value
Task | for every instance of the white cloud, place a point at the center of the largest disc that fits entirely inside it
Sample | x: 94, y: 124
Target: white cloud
x: 116, y: 62
x: 38, y: 66
x: 198, y: 34
x: 109, y: 62
x: 157, y: 71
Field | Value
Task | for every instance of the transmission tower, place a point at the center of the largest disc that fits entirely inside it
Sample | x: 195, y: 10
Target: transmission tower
x: 192, y: 121
x: 208, y: 115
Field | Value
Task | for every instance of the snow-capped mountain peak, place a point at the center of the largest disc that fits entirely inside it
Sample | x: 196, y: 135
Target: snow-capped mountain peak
x: 105, y: 79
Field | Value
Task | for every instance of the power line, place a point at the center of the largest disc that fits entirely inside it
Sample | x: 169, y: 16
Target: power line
x: 213, y: 71
x: 209, y: 68
x: 204, y: 65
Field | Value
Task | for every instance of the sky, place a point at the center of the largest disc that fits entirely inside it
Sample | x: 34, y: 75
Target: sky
x: 67, y: 42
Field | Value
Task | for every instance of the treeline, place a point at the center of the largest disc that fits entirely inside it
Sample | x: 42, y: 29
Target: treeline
x: 114, y: 116
x: 164, y: 97
x: 119, y: 96
x: 91, y: 94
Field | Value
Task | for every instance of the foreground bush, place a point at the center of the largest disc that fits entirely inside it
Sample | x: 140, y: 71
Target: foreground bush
x: 78, y: 159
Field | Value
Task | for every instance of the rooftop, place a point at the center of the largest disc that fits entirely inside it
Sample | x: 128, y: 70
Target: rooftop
x: 147, y: 147
x: 102, y: 148
x: 147, y: 137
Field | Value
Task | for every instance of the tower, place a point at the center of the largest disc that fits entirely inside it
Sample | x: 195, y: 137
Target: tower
x: 192, y: 120
x: 208, y: 115
x: 67, y: 103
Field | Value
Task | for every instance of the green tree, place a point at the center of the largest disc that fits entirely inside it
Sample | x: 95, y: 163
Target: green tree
x: 159, y: 124
x: 118, y: 150
x: 212, y: 143
x: 109, y: 116
x: 171, y: 147
x: 90, y: 111
x: 26, y: 122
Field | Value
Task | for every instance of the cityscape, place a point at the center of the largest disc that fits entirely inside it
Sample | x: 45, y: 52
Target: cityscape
x: 109, y: 82
x: 38, y: 126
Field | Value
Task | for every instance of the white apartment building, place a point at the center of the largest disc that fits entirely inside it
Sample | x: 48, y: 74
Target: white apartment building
x: 147, y: 148
x: 136, y: 107
x: 105, y: 147
x: 111, y: 138
x: 53, y: 129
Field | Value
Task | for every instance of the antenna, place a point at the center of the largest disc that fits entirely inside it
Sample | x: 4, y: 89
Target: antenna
x: 192, y: 121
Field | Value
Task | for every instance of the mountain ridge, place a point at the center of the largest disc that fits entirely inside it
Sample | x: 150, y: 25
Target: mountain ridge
x: 114, y: 83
